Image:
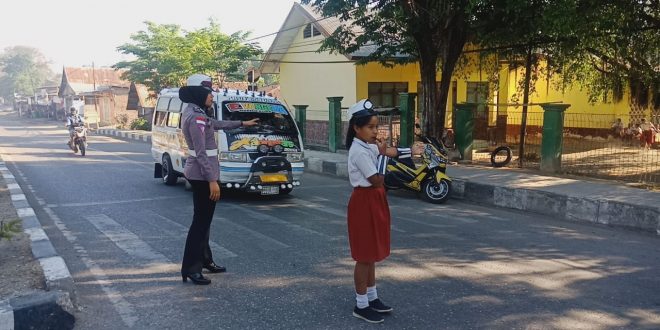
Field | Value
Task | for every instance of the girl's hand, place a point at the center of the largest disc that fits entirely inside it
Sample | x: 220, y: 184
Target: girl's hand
x: 382, y: 146
x: 417, y: 149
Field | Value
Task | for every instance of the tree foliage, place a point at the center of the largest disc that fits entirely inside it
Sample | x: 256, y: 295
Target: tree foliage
x: 430, y: 32
x: 165, y: 55
x: 601, y: 45
x: 22, y: 70
x: 615, y: 45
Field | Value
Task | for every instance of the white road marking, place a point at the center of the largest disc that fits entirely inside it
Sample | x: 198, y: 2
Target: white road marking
x: 276, y: 220
x: 125, y: 239
x: 135, y: 200
x: 121, y: 306
x: 264, y: 242
x: 218, y: 250
x: 141, y: 164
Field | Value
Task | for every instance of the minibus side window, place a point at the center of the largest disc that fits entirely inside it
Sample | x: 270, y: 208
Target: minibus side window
x: 175, y: 105
x: 173, y: 119
x: 163, y: 103
x: 160, y: 119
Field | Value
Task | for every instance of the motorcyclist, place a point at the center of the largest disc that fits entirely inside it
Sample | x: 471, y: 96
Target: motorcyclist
x: 73, y: 120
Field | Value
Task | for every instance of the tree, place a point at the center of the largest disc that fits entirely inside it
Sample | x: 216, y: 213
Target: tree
x: 430, y: 32
x: 523, y: 32
x: 615, y: 45
x: 23, y: 69
x: 166, y: 55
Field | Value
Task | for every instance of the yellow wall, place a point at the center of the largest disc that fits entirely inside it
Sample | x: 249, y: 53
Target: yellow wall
x: 311, y: 84
x: 375, y: 72
x: 581, y: 113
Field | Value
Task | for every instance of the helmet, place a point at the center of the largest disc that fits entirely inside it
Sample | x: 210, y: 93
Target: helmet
x: 362, y: 108
x: 73, y: 110
x: 200, y: 80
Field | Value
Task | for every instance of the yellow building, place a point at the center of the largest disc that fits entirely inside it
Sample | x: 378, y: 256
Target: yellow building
x: 308, y: 77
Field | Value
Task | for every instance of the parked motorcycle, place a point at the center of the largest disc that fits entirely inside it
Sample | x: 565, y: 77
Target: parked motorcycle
x: 79, y: 140
x: 429, y: 178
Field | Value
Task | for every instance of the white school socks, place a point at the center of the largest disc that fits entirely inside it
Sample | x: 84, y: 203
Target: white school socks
x: 372, y: 293
x: 362, y: 301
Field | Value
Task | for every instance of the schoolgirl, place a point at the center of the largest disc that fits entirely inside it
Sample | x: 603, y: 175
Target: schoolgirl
x: 368, y: 210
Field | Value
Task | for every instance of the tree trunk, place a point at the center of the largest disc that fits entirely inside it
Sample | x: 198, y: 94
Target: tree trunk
x: 523, y: 122
x: 448, y: 66
x: 428, y: 69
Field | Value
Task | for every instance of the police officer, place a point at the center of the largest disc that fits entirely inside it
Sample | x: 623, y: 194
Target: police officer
x: 201, y: 170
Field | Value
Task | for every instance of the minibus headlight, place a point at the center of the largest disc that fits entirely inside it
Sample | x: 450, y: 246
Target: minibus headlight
x: 239, y: 157
x: 294, y: 157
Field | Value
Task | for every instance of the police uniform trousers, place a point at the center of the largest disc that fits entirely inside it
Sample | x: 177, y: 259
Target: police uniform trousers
x: 369, y: 224
x: 197, y: 252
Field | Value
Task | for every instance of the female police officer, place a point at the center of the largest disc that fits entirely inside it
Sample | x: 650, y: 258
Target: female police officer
x: 202, y: 172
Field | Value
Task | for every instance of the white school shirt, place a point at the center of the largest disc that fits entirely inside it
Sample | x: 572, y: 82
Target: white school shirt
x: 362, y: 162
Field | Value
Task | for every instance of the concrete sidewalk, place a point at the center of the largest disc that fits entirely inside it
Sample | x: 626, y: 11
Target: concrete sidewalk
x: 600, y: 202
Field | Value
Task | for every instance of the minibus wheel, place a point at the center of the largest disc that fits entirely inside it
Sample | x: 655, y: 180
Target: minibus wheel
x: 169, y: 177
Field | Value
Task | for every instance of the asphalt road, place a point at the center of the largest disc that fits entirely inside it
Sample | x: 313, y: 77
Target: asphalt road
x: 453, y: 266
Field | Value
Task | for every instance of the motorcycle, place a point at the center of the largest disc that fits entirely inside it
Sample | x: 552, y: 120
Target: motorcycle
x: 429, y: 178
x: 79, y: 140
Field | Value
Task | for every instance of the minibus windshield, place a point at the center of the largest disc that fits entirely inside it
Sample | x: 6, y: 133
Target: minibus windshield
x: 273, y: 118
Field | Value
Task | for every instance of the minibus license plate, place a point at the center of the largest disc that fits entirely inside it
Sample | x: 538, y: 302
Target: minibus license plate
x: 270, y: 190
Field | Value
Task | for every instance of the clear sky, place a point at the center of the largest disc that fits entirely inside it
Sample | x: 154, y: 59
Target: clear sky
x: 77, y: 32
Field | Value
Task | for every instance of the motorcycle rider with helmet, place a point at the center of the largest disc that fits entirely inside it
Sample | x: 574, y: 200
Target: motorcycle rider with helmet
x: 73, y: 120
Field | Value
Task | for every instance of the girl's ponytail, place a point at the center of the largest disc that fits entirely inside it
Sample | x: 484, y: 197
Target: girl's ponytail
x: 350, y: 135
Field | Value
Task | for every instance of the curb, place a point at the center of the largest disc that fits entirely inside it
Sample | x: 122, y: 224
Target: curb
x: 133, y: 135
x: 40, y: 310
x: 569, y: 208
x: 59, y: 283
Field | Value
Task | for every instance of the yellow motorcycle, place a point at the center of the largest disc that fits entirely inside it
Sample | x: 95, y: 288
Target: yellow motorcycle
x: 429, y: 178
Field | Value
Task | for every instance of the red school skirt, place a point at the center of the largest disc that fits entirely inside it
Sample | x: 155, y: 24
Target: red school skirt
x: 369, y: 224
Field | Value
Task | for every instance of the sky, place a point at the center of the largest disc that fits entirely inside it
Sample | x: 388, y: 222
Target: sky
x: 77, y: 33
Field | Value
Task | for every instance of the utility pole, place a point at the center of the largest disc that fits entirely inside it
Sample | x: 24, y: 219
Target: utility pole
x: 96, y: 109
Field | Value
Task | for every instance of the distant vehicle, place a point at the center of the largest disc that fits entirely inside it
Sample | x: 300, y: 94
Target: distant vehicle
x: 265, y: 159
x: 79, y: 140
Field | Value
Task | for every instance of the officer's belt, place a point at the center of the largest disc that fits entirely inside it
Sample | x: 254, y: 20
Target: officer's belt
x: 209, y: 152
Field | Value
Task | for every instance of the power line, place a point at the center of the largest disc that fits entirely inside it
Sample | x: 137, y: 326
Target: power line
x: 288, y: 29
x: 305, y: 24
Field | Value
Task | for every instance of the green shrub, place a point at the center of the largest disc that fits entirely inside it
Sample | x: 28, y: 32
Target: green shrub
x: 122, y: 120
x: 141, y: 124
x: 9, y: 229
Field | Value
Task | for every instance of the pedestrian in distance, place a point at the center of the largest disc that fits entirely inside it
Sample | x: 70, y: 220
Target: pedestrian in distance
x: 368, y: 210
x: 202, y: 171
x: 618, y: 128
x: 648, y: 130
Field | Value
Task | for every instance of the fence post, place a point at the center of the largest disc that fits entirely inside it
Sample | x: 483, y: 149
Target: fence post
x: 407, y: 129
x: 301, y: 118
x: 465, y: 129
x: 334, y: 122
x: 553, y: 137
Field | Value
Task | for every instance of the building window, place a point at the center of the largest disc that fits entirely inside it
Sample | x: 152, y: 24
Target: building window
x: 310, y: 31
x: 477, y: 92
x: 386, y: 94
